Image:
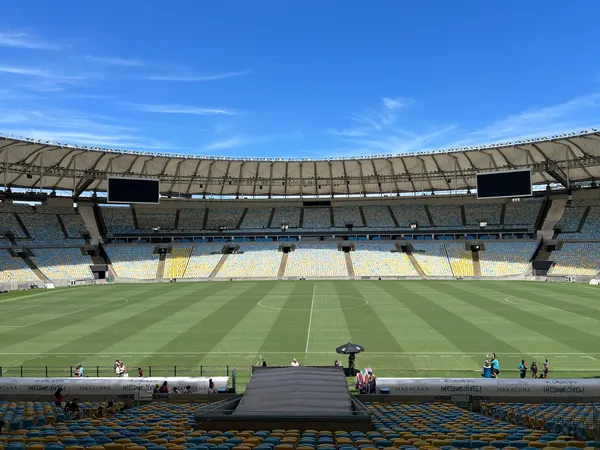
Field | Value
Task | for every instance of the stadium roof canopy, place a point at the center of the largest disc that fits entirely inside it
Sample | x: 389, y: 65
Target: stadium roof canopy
x: 565, y: 158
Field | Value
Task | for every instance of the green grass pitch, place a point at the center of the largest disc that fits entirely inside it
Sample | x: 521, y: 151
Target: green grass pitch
x: 408, y: 328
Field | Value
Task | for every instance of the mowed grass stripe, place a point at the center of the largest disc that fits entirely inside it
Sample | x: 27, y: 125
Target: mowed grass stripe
x: 544, y: 308
x: 97, y: 333
x: 408, y: 327
x: 51, y: 334
x: 580, y: 290
x: 535, y: 333
x: 288, y: 333
x: 329, y: 328
x: 201, y: 303
x: 366, y: 327
x: 209, y: 331
x: 251, y: 332
x: 566, y: 301
x: 471, y: 328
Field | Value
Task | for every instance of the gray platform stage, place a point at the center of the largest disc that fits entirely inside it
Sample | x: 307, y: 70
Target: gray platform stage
x: 289, y: 397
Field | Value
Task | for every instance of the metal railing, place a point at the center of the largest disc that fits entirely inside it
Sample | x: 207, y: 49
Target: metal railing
x: 109, y: 371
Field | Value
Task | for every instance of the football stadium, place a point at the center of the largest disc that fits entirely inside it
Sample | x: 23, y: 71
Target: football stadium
x: 429, y: 270
x: 226, y: 226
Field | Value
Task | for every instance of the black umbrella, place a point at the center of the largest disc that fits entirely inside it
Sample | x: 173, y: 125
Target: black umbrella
x: 350, y: 349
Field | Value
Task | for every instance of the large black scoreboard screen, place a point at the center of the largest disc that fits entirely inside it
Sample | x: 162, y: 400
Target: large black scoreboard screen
x: 511, y: 183
x: 133, y: 190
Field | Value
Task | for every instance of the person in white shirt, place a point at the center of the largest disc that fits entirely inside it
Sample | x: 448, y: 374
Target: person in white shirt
x: 295, y: 363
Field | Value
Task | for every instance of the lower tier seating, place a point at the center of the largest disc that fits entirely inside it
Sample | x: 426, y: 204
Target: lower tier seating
x: 253, y: 260
x: 499, y: 259
x: 203, y: 260
x: 433, y: 259
x: 461, y: 259
x: 377, y: 260
x: 575, y: 258
x: 316, y: 260
x: 63, y: 263
x: 14, y: 270
x: 137, y: 262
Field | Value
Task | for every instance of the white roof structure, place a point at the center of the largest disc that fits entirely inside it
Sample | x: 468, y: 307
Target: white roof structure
x: 565, y: 159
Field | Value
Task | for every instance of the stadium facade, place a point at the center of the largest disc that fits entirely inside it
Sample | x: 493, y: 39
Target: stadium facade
x: 252, y: 218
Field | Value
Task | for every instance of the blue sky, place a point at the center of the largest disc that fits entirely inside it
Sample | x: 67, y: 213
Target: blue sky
x: 275, y: 78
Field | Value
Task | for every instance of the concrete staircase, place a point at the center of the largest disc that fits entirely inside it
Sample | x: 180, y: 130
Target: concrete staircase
x: 349, y: 265
x: 218, y: 266
x: 555, y: 212
x: 35, y: 269
x: 160, y: 271
x: 476, y: 264
x: 282, y: 266
x: 89, y: 219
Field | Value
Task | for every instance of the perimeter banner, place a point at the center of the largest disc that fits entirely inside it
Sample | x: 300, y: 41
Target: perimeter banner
x: 490, y: 388
x: 139, y: 387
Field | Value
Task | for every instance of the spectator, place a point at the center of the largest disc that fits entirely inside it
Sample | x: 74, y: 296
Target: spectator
x: 188, y: 389
x: 211, y: 386
x: 72, y: 410
x: 372, y: 389
x: 264, y: 363
x: 175, y: 390
x: 495, y: 366
x: 140, y: 373
x: 156, y: 389
x: 124, y: 370
x: 58, y: 397
x: 336, y: 363
x: 523, y: 368
x: 164, y: 389
x: 295, y: 363
x: 546, y: 367
x: 534, y: 370
x: 117, y: 368
x: 110, y: 408
x: 79, y: 371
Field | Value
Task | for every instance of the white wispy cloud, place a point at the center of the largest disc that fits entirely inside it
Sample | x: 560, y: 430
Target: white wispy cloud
x: 27, y: 71
x: 190, y: 77
x: 394, y: 103
x: 44, y: 80
x: 244, y: 141
x: 183, y: 109
x: 25, y: 40
x: 116, y: 61
x: 573, y: 115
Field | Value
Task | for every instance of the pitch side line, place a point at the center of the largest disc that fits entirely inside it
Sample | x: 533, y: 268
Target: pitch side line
x: 457, y: 354
x: 312, y: 307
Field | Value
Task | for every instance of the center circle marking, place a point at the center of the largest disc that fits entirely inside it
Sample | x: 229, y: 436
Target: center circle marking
x: 264, y: 303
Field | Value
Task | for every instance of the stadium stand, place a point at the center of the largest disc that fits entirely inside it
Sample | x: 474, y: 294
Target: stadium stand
x: 149, y: 219
x: 63, y: 263
x: 591, y: 226
x: 461, y: 260
x: 9, y: 223
x: 316, y: 260
x: 256, y: 218
x: 483, y: 212
x: 446, y: 215
x: 561, y: 425
x: 378, y: 216
x: 347, y: 215
x: 14, y: 270
x: 522, y: 213
x: 191, y: 218
x: 576, y: 258
x: 410, y: 213
x: 433, y: 259
x: 569, y: 222
x: 316, y: 218
x: 137, y: 262
x: 288, y: 215
x: 118, y: 219
x: 377, y: 260
x: 176, y: 262
x: 74, y: 225
x: 253, y: 260
x: 504, y: 259
x: 227, y: 218
x: 203, y: 260
x: 43, y: 228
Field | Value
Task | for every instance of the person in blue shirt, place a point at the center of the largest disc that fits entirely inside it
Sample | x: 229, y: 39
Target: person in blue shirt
x: 495, y: 366
x: 522, y: 368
